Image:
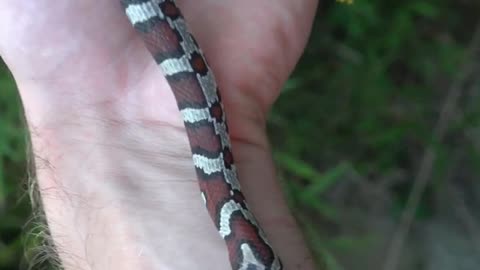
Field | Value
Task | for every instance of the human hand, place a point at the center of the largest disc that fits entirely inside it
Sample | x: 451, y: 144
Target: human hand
x: 91, y: 90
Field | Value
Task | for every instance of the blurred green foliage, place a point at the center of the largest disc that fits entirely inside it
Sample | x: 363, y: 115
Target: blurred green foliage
x: 364, y: 98
x: 14, y: 208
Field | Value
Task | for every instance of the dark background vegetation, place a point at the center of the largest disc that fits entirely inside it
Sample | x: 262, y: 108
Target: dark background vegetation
x: 376, y: 138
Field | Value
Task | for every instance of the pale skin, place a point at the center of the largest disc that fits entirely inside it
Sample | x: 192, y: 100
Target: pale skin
x: 112, y: 158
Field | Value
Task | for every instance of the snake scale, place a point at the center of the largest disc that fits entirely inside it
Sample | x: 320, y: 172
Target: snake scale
x: 164, y: 31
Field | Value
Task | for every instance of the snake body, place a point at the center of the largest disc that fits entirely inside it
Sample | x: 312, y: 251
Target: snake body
x: 164, y: 31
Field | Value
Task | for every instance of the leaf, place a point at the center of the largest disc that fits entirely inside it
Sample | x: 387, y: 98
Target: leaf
x: 319, y: 183
x: 327, y: 180
x: 297, y: 167
x: 330, y: 260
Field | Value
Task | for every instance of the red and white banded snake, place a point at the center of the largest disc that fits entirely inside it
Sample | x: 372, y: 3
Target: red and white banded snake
x: 164, y: 31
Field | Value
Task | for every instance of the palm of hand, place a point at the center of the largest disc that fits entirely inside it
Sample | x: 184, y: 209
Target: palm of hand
x: 91, y: 54
x: 251, y: 45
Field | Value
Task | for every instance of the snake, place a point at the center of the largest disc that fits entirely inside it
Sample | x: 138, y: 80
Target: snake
x: 165, y: 33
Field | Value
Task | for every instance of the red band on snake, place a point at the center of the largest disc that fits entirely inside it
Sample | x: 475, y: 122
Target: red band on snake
x: 164, y: 31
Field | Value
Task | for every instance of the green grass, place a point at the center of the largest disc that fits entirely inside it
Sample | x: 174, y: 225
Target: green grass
x: 363, y: 101
x: 14, y: 208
